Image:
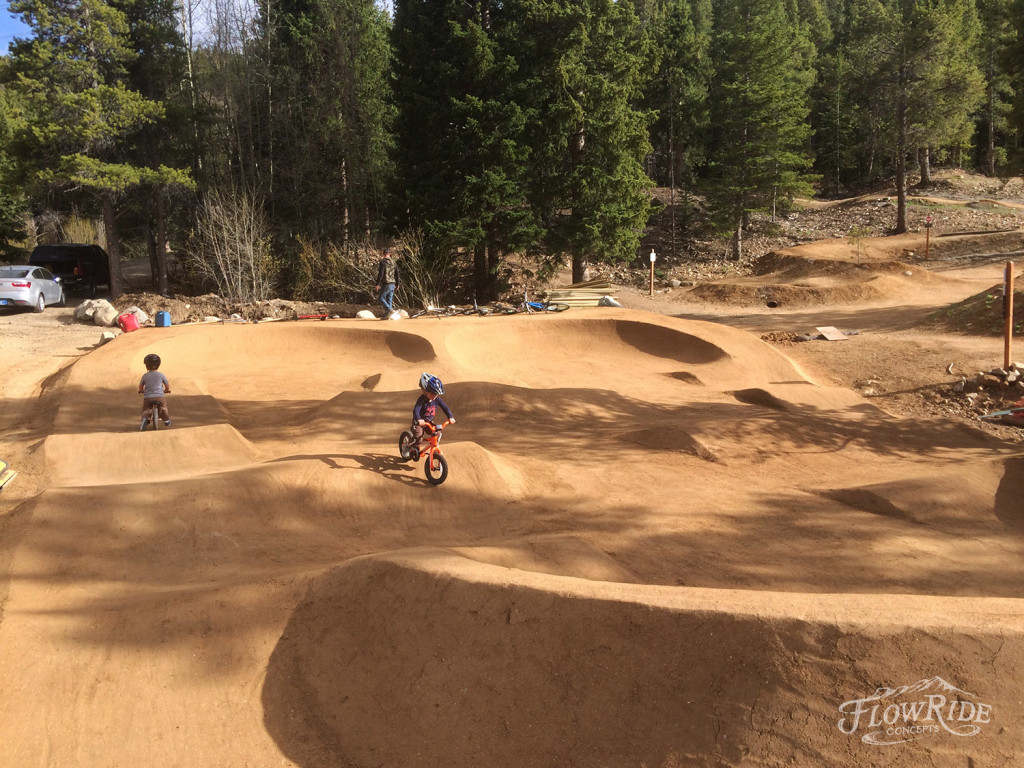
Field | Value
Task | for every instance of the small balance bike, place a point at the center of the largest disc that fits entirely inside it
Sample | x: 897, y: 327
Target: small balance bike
x: 436, y: 466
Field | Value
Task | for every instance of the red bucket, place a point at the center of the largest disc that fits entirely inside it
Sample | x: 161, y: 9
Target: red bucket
x: 128, y: 322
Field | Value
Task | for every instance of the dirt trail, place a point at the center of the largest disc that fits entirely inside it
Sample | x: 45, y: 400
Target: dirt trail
x: 663, y: 542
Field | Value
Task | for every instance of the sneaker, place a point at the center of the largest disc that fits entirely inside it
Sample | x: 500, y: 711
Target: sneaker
x: 167, y: 422
x: 145, y: 423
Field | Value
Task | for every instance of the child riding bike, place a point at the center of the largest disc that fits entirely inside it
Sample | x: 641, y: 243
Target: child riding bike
x: 425, y: 410
x: 153, y: 386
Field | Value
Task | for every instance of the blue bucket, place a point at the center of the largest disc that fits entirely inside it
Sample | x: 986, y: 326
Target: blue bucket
x: 163, y: 319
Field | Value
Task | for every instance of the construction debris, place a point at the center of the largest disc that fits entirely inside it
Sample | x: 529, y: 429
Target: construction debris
x: 585, y: 294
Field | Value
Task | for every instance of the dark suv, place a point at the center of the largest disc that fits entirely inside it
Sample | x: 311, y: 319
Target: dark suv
x: 79, y: 266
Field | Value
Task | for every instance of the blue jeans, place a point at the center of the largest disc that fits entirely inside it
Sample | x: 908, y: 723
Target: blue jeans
x: 387, y: 294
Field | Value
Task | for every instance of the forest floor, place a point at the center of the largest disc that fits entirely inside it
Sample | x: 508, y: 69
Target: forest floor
x: 672, y: 534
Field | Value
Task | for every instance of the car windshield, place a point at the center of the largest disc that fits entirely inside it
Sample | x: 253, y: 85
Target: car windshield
x: 13, y: 272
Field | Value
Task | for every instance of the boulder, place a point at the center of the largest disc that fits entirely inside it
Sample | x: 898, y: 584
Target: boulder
x: 107, y: 336
x: 105, y: 315
x: 365, y: 314
x: 84, y: 312
x: 608, y: 301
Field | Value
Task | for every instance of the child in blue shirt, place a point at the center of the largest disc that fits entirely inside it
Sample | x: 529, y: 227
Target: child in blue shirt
x: 424, y: 411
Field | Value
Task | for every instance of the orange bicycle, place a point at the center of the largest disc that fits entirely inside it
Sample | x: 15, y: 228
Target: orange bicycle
x: 436, y: 466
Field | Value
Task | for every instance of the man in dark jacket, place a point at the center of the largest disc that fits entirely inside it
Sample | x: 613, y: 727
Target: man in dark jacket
x: 387, y: 281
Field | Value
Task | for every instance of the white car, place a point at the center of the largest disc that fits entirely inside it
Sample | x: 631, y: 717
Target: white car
x: 26, y: 286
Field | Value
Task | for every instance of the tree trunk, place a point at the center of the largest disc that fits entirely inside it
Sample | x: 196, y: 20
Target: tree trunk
x: 480, y: 291
x: 737, y: 241
x: 151, y: 248
x: 579, y: 268
x: 346, y: 216
x: 161, y: 243
x: 113, y: 245
x: 901, y: 161
x: 924, y: 161
x: 990, y: 150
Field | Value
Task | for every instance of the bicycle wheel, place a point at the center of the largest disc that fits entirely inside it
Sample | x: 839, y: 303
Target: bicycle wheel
x: 435, y: 468
x: 154, y: 416
x: 555, y: 307
x: 406, y: 441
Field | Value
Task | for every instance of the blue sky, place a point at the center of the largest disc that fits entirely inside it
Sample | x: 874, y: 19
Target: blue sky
x: 9, y: 29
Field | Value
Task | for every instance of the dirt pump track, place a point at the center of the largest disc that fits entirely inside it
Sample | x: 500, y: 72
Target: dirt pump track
x: 663, y: 542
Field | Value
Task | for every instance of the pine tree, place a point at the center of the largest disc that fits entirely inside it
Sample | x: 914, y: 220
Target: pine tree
x: 71, y: 79
x: 461, y: 131
x: 582, y: 70
x: 914, y: 77
x: 678, y: 93
x: 330, y: 155
x: 996, y: 55
x: 760, y: 159
x: 12, y: 202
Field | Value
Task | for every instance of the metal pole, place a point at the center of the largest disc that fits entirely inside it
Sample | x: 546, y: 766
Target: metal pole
x: 1008, y: 307
x: 927, y: 235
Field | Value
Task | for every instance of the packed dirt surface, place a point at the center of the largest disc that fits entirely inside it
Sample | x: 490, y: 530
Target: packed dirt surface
x: 672, y: 534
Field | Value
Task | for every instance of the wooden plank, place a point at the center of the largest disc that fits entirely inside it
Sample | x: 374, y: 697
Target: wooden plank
x: 831, y: 333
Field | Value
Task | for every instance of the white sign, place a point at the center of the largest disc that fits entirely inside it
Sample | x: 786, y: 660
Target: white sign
x: 653, y: 257
x: 930, y: 707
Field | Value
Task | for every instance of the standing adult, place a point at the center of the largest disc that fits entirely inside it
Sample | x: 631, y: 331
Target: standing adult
x: 387, y: 281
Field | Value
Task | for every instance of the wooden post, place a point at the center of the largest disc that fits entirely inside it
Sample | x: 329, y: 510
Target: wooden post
x: 927, y: 234
x: 1008, y: 308
x: 653, y: 257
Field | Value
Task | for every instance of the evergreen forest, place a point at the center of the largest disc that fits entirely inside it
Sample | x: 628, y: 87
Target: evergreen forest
x: 273, y: 148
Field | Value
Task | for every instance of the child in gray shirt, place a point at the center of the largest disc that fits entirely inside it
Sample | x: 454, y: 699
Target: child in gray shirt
x: 153, y: 386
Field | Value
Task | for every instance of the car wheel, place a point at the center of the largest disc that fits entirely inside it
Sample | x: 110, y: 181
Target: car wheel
x: 40, y: 303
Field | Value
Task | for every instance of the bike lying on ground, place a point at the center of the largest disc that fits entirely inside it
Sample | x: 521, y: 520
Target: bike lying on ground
x: 436, y: 466
x: 532, y: 307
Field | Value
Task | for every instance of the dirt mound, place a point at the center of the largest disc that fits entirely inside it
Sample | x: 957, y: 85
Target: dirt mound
x: 660, y: 542
x: 477, y: 661
x: 982, y: 313
x: 194, y: 309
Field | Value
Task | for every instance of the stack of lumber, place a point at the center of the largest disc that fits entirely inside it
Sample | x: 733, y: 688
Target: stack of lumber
x: 586, y: 294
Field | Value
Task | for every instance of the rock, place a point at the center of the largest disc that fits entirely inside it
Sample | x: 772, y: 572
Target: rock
x: 365, y: 314
x: 674, y: 283
x: 85, y: 311
x: 105, y: 315
x: 211, y: 319
x: 140, y: 315
x: 399, y: 314
x: 608, y: 301
x: 107, y: 336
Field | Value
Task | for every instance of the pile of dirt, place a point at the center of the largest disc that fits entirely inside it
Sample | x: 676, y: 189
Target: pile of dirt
x: 982, y: 313
x: 688, y: 251
x: 196, y: 309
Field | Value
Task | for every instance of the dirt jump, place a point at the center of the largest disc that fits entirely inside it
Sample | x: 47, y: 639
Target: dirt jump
x: 663, y: 542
